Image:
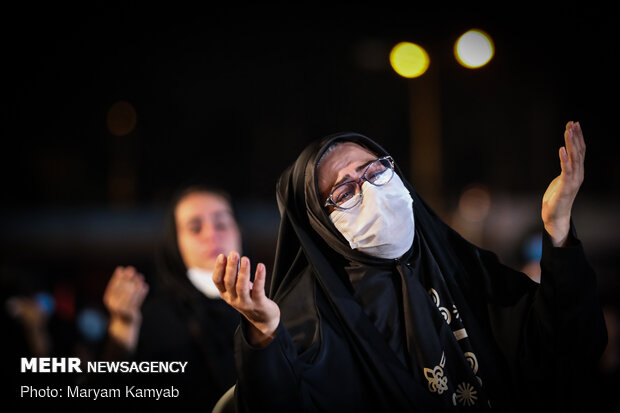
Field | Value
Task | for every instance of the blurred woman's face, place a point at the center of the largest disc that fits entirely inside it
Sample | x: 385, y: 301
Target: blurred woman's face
x: 206, y: 228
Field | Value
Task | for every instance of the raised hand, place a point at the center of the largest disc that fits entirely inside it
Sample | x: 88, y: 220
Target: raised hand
x: 34, y: 318
x: 560, y: 195
x: 232, y: 278
x: 123, y: 298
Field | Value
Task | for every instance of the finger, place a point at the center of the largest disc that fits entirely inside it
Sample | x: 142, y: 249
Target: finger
x: 580, y: 141
x: 232, y: 268
x: 125, y: 278
x: 113, y: 285
x: 143, y: 286
x: 577, y: 146
x: 132, y: 300
x: 118, y: 271
x: 243, y: 280
x: 129, y: 286
x: 137, y: 296
x: 578, y: 157
x: 218, y: 273
x: 258, y: 287
x: 140, y: 290
x: 123, y: 294
x: 569, y: 141
x: 565, y: 163
x: 143, y: 292
x: 135, y: 285
x: 115, y: 279
x: 576, y: 143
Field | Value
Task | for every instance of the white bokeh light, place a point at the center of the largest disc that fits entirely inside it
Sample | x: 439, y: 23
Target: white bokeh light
x: 474, y: 49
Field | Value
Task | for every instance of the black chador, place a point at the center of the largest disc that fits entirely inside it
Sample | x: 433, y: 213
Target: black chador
x: 445, y: 327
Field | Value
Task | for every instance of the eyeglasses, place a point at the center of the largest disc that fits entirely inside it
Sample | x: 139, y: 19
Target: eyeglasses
x: 349, y: 194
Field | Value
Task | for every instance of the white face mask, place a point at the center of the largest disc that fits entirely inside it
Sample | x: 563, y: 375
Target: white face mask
x: 203, y: 281
x: 382, y: 225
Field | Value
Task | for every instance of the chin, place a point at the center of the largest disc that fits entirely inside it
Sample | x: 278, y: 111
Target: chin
x: 208, y: 265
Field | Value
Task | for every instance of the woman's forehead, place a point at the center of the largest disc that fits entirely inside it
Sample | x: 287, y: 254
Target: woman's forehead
x: 339, y: 158
x: 201, y: 203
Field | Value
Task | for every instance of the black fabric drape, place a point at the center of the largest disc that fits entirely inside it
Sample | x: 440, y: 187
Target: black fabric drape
x: 198, y: 331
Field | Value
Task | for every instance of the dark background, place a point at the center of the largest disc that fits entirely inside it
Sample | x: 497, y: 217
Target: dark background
x: 231, y: 95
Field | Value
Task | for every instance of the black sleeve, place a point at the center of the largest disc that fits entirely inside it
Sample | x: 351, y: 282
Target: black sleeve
x: 111, y: 350
x: 567, y: 325
x: 554, y: 333
x: 261, y: 370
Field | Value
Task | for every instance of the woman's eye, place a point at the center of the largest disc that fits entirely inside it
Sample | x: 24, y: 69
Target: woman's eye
x: 375, y: 171
x: 221, y: 225
x: 343, y: 196
x: 375, y: 175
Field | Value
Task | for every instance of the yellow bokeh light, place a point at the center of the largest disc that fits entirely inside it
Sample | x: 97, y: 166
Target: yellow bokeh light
x: 474, y: 49
x: 409, y: 60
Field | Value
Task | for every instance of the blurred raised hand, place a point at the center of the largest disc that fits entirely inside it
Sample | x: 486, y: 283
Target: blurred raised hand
x: 123, y: 298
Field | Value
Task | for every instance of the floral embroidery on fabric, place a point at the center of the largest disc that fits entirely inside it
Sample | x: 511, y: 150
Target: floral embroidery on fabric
x: 443, y: 310
x: 434, y: 296
x: 437, y: 382
x: 465, y: 394
x: 472, y: 360
x: 446, y: 314
x: 473, y: 363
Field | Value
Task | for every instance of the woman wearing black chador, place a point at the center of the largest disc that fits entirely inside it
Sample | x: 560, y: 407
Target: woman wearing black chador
x: 376, y: 305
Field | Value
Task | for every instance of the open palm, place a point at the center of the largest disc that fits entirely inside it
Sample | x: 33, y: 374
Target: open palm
x: 560, y: 195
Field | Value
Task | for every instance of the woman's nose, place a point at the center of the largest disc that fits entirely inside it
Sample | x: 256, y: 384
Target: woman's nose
x: 208, y: 232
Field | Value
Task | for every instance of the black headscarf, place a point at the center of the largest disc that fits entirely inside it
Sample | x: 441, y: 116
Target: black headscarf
x: 423, y: 309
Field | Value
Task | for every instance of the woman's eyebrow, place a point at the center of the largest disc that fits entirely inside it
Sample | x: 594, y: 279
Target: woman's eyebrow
x: 192, y: 221
x: 344, y: 179
x: 347, y: 177
x: 223, y: 213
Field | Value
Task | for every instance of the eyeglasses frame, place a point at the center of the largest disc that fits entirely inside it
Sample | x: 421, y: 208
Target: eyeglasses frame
x: 359, y: 181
